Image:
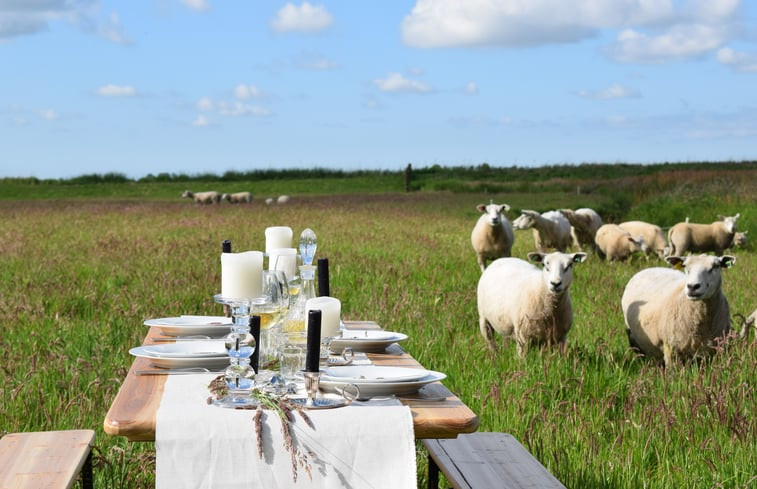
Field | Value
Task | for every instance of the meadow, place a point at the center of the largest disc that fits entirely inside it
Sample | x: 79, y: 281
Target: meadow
x: 82, y: 269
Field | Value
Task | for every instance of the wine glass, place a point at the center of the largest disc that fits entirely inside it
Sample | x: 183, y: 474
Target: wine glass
x: 271, y: 306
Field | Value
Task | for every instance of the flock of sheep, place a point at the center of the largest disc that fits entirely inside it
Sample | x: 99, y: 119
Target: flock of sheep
x: 213, y: 197
x: 670, y: 314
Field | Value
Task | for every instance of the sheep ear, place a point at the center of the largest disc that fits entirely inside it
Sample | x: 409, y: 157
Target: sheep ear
x: 481, y: 207
x: 536, y: 257
x: 579, y: 257
x: 504, y: 208
x: 727, y: 261
x: 676, y: 261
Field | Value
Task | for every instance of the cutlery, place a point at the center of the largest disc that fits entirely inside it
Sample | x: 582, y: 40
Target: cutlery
x: 178, y: 371
x: 185, y: 338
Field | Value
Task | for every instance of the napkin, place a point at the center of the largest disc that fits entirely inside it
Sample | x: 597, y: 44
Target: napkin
x: 201, y: 446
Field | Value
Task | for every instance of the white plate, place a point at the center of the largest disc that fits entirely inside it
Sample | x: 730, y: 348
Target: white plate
x: 368, y: 374
x: 186, y: 349
x: 192, y: 325
x: 371, y: 389
x: 371, y: 341
x: 212, y: 363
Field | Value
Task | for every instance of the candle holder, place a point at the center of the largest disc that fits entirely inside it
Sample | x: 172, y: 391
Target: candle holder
x: 312, y: 381
x: 240, y: 345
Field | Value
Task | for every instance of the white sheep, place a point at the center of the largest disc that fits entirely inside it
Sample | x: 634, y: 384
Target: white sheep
x: 209, y: 197
x: 269, y: 201
x: 617, y: 244
x: 238, y: 197
x: 687, y: 237
x: 748, y: 322
x: 492, y: 236
x: 740, y: 239
x: 654, y: 238
x: 516, y: 298
x: 670, y: 314
x: 551, y: 229
x: 282, y: 199
x: 584, y: 223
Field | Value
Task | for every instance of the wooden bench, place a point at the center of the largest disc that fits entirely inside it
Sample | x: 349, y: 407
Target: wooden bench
x: 46, y: 459
x: 485, y: 460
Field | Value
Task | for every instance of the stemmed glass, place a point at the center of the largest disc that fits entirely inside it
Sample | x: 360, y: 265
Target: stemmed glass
x: 272, y: 307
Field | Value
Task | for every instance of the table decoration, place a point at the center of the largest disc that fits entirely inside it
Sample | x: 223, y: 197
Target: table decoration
x: 277, y: 237
x: 241, y: 274
x: 240, y: 345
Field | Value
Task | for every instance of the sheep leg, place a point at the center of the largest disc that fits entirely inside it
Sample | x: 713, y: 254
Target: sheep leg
x: 481, y: 263
x: 488, y: 333
x: 667, y: 352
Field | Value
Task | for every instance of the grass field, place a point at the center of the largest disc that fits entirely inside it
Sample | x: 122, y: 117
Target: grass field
x: 80, y: 274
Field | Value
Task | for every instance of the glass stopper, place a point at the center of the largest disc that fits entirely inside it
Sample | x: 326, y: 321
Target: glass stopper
x: 308, y: 244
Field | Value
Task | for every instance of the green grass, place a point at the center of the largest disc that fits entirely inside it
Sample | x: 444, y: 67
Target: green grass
x: 80, y: 274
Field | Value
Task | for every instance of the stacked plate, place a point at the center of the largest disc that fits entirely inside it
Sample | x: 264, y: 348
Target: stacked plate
x: 213, y: 326
x: 369, y: 341
x: 201, y: 353
x: 373, y: 380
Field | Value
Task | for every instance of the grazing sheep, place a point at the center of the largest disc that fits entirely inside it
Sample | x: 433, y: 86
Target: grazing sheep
x: 584, y: 223
x: 269, y: 201
x: 551, y: 229
x: 687, y: 237
x: 492, y: 236
x: 238, y: 198
x: 282, y: 199
x: 670, y: 314
x: 210, y: 197
x: 617, y: 244
x: 746, y: 323
x: 516, y: 298
x: 654, y: 238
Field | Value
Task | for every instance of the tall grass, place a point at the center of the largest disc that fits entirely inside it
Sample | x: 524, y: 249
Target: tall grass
x: 80, y: 276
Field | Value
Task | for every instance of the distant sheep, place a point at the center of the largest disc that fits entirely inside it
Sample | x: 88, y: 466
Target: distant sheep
x: 551, y: 229
x: 654, y: 238
x: 492, y: 236
x: 282, y: 199
x: 516, y: 298
x: 687, y: 237
x: 584, y: 223
x: 210, y: 197
x: 673, y: 315
x: 238, y: 198
x: 617, y: 244
x: 269, y: 201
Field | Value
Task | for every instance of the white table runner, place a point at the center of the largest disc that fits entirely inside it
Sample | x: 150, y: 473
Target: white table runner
x: 203, y: 446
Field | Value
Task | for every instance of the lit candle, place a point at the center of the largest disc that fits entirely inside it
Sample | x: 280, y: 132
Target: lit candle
x: 242, y: 274
x: 313, y: 357
x: 284, y: 259
x: 331, y: 310
x: 277, y: 237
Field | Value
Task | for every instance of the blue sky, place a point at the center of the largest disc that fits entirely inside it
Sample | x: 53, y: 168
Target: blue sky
x: 194, y: 86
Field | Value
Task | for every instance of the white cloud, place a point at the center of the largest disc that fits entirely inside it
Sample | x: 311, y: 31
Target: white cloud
x: 305, y: 18
x: 196, y: 4
x: 244, y: 92
x: 395, y: 82
x: 471, y: 88
x: 614, y: 91
x: 19, y: 17
x: 233, y: 108
x: 739, y: 61
x: 651, y: 31
x: 116, y: 91
x: 201, y: 121
x: 49, y: 114
x: 205, y: 104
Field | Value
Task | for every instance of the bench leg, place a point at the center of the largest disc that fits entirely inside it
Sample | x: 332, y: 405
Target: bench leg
x: 86, y: 473
x: 433, y: 474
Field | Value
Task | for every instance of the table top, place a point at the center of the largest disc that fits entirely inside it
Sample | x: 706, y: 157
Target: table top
x: 133, y: 411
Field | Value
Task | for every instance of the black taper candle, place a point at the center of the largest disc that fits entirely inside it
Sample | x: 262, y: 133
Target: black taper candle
x: 313, y: 357
x: 226, y: 246
x: 323, y: 277
x: 255, y: 332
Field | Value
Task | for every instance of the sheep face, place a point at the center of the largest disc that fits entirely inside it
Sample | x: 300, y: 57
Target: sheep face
x: 703, y: 273
x: 187, y: 193
x: 525, y: 220
x: 494, y: 212
x: 557, y: 269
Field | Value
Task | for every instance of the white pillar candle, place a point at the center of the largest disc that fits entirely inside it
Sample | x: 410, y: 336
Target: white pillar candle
x: 284, y: 259
x: 242, y: 274
x: 331, y: 312
x: 277, y: 237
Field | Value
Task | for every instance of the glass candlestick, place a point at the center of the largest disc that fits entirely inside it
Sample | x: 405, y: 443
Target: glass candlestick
x: 240, y: 345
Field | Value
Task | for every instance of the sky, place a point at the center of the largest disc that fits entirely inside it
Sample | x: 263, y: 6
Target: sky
x: 197, y: 86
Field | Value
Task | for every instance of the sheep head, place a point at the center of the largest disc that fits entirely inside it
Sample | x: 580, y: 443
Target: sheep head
x: 494, y: 212
x: 730, y: 222
x: 703, y: 273
x: 557, y: 268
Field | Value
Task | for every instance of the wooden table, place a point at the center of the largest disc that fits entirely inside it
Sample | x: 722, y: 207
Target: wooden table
x: 134, y: 408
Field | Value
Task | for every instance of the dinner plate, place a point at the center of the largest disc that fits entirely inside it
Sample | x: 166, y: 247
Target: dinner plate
x: 192, y: 325
x: 187, y: 349
x: 211, y: 363
x: 372, y: 389
x: 368, y: 374
x: 370, y: 341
